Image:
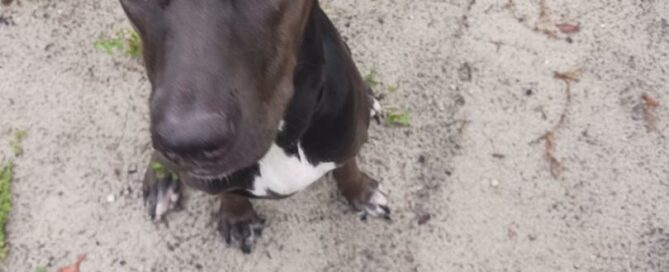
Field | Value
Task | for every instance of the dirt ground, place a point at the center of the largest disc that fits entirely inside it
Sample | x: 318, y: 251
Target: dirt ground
x: 469, y: 180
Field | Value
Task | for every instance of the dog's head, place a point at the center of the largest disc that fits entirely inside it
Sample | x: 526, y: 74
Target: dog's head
x: 221, y: 73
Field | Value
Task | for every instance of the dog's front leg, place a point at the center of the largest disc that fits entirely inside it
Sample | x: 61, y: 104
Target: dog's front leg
x: 238, y: 222
x: 361, y: 191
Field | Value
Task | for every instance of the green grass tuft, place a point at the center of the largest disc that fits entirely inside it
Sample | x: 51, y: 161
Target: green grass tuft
x: 5, y: 204
x: 398, y: 118
x: 393, y: 88
x: 15, y: 143
x: 41, y: 269
x: 161, y: 171
x: 133, y: 45
x: 372, y: 78
x: 109, y: 45
x: 126, y: 41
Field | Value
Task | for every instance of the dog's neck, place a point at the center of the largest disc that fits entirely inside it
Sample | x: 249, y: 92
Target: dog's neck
x: 329, y: 112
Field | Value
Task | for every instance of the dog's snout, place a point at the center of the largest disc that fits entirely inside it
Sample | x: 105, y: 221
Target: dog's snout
x: 197, y: 136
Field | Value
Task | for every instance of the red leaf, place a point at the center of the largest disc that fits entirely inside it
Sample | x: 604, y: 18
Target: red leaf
x: 568, y: 28
x: 74, y: 267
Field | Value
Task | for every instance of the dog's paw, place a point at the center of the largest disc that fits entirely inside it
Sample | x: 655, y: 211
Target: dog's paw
x: 376, y: 205
x: 368, y: 198
x: 161, y: 194
x: 376, y: 112
x: 241, y: 231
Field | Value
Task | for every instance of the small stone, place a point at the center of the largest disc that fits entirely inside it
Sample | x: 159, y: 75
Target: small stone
x: 132, y: 169
x: 421, y: 159
x: 423, y: 219
x: 441, y: 106
x: 460, y: 100
x: 494, y: 182
x: 511, y: 233
x: 465, y: 72
x: 111, y: 198
x: 498, y: 156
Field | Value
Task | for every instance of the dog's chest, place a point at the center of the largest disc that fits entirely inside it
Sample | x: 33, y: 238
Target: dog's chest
x: 282, y: 174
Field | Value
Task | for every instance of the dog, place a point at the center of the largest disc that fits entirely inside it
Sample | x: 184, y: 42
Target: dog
x: 251, y: 99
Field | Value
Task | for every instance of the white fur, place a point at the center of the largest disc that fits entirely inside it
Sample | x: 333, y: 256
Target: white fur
x: 167, y: 200
x: 376, y: 108
x: 285, y: 175
x: 282, y: 125
x: 377, y: 200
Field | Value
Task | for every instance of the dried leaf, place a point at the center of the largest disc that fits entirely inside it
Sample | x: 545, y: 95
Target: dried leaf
x: 555, y: 164
x: 74, y: 267
x: 569, y: 76
x: 511, y: 232
x: 650, y: 102
x: 650, y: 106
x: 549, y: 137
x: 568, y: 28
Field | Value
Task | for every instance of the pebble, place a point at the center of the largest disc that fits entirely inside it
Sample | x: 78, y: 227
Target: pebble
x: 494, y: 183
x: 111, y: 198
x: 423, y: 219
x: 132, y: 169
x: 441, y: 106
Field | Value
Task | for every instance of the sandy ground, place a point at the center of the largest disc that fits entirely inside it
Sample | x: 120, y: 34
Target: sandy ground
x: 469, y: 181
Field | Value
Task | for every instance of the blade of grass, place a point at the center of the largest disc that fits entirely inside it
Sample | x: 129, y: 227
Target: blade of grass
x: 398, y: 118
x: 161, y: 171
x: 5, y: 205
x: 15, y: 143
x: 372, y: 78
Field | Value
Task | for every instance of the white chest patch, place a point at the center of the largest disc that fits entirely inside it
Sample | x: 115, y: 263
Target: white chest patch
x: 285, y: 175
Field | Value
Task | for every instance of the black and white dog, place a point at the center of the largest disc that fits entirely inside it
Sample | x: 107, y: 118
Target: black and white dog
x: 253, y: 98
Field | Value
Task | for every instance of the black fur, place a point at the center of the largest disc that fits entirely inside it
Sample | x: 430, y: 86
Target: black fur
x: 321, y: 114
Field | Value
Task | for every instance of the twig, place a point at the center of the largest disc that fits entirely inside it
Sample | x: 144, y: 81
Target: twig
x: 549, y: 137
x: 556, y: 165
x: 544, y: 24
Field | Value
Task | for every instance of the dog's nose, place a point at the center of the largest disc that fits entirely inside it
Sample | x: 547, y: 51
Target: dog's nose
x: 194, y: 135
